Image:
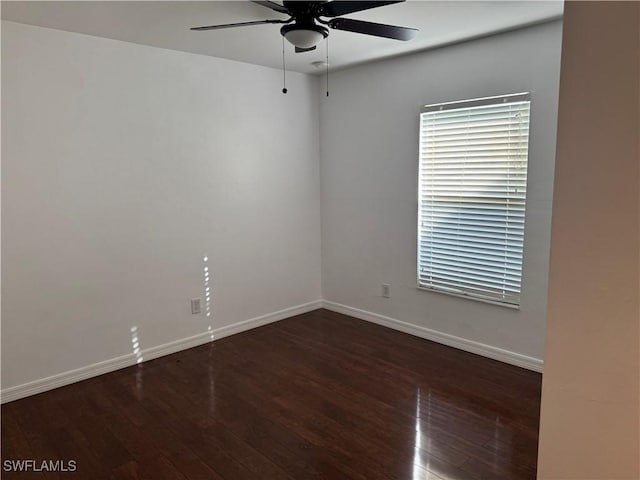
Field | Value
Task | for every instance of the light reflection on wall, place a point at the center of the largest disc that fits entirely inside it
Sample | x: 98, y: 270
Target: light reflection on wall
x: 135, y: 344
x: 207, y: 294
x: 207, y: 288
x: 207, y: 304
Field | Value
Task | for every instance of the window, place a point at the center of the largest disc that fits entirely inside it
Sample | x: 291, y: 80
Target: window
x: 472, y: 192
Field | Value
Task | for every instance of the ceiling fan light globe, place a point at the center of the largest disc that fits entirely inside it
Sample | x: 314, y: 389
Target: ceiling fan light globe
x: 303, y: 38
x: 304, y: 35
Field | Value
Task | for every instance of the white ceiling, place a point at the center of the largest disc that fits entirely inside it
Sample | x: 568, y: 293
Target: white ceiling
x: 166, y: 25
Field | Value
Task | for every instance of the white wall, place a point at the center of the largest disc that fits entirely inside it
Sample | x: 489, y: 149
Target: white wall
x: 590, y: 418
x: 369, y: 168
x: 122, y: 166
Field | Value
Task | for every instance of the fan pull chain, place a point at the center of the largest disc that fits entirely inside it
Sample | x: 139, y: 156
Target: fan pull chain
x: 284, y: 71
x: 327, y: 65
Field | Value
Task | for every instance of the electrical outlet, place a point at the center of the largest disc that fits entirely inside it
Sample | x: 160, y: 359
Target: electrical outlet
x: 196, y: 306
x: 386, y: 290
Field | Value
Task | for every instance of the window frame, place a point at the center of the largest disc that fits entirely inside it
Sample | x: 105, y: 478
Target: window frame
x: 465, y: 104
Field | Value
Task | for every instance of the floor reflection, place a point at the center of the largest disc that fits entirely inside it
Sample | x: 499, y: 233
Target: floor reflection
x: 422, y: 467
x: 212, y: 383
x: 451, y: 439
x: 139, y: 391
x: 417, y: 444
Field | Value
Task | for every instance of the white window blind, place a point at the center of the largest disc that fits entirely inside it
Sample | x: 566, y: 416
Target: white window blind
x: 473, y: 186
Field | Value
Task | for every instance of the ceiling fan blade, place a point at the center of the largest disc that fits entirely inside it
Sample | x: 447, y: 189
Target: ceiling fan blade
x: 273, y: 6
x: 302, y: 50
x: 338, y: 7
x: 375, y: 29
x: 230, y: 25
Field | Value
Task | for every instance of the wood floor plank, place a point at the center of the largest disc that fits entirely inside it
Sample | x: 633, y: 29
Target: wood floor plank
x: 319, y: 396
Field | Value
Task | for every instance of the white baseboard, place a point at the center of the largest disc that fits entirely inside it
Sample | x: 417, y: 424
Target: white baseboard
x: 460, y: 343
x: 72, y: 376
x: 265, y: 319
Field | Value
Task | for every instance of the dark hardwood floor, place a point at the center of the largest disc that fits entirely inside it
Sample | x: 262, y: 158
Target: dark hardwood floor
x: 317, y: 396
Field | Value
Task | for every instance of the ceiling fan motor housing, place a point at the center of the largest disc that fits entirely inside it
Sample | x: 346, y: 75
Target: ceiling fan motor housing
x: 305, y: 27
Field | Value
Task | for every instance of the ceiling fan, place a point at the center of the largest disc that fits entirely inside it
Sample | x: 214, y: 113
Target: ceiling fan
x: 305, y: 27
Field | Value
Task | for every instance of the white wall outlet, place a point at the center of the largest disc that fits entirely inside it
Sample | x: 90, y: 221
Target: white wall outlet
x: 196, y: 306
x: 386, y: 290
